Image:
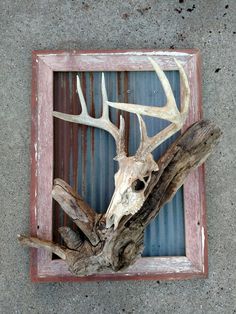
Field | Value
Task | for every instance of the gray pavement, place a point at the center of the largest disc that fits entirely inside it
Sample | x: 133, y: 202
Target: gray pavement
x: 27, y: 25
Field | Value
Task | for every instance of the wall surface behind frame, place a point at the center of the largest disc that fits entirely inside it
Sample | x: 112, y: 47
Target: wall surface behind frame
x: 27, y: 25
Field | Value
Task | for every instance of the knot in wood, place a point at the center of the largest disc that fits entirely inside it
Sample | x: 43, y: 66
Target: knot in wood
x: 129, y: 250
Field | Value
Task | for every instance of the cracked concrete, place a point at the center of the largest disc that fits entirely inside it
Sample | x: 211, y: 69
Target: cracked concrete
x: 27, y: 25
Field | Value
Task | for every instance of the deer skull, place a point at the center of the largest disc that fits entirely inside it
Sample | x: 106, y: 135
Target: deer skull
x: 134, y: 172
x: 131, y: 181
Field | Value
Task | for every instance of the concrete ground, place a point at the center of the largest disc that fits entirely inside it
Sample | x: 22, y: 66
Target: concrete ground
x: 27, y: 25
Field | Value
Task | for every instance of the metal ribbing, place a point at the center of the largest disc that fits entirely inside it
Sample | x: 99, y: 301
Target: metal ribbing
x: 83, y: 156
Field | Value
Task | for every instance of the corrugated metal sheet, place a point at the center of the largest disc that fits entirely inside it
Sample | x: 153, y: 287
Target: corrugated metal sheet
x: 83, y: 156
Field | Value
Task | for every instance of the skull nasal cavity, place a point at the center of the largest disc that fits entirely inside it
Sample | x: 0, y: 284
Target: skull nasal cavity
x: 138, y: 185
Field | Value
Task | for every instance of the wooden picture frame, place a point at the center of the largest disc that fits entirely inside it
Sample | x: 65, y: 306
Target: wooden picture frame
x: 45, y: 269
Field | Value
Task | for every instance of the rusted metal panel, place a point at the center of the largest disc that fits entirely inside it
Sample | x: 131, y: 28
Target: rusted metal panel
x: 83, y: 156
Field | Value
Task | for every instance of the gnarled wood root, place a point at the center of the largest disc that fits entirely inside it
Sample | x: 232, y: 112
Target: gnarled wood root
x: 105, y: 249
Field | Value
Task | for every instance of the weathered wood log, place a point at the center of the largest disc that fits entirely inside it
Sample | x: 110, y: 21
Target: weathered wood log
x: 81, y: 213
x: 71, y: 238
x: 106, y: 249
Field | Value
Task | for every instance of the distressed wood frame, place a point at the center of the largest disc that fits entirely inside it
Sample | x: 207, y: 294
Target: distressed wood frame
x: 43, y: 268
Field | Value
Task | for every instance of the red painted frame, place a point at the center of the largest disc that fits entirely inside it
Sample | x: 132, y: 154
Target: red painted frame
x: 43, y: 268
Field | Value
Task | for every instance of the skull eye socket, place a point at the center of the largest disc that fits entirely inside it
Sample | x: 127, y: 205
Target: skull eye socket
x: 146, y: 178
x: 138, y: 186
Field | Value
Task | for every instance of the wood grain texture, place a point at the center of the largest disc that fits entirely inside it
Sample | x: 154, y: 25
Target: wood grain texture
x: 76, y: 208
x: 43, y: 268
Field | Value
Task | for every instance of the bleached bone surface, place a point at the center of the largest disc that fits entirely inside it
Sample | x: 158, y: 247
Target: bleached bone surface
x: 134, y: 172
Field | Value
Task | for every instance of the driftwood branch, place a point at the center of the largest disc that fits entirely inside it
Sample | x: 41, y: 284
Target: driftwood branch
x: 71, y: 238
x: 75, y: 207
x: 47, y: 245
x: 106, y: 249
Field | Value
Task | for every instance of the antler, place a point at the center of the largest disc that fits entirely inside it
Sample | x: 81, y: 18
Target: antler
x: 169, y: 112
x: 103, y: 122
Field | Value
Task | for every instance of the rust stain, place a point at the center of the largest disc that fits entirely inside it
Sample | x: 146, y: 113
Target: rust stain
x: 92, y: 130
x: 119, y: 93
x: 125, y: 113
x: 75, y: 130
x: 74, y: 133
x: 58, y: 146
x: 67, y: 137
x: 92, y: 111
x: 61, y: 143
x: 84, y: 141
x: 55, y: 153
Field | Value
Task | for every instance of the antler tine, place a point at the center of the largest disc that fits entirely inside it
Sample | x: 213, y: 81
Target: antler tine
x: 105, y: 109
x: 120, y: 142
x: 171, y: 104
x: 103, y: 122
x: 81, y: 97
x: 144, y: 139
x: 148, y: 144
x: 185, y: 90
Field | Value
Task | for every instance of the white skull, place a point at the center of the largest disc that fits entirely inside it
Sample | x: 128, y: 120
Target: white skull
x: 131, y: 181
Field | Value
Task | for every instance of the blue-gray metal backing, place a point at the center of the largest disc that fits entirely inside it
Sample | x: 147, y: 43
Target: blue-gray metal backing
x: 165, y: 236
